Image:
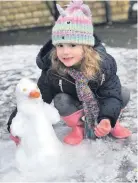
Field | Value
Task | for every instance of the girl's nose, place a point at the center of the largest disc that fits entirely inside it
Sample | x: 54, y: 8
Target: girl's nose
x: 66, y: 50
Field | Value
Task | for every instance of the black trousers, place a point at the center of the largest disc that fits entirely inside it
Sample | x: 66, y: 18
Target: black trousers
x: 66, y: 105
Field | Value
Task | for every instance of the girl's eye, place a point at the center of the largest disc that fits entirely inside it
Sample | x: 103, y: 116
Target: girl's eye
x: 59, y: 45
x: 72, y: 45
x: 24, y: 89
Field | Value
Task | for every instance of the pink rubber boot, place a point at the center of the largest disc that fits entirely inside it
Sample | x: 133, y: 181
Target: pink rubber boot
x: 76, y: 135
x: 119, y: 131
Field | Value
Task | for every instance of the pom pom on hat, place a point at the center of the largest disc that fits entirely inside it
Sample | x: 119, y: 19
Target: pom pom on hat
x: 74, y: 25
x: 75, y: 5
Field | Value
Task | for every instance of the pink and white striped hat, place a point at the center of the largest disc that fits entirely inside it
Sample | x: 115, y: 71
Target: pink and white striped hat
x: 74, y: 25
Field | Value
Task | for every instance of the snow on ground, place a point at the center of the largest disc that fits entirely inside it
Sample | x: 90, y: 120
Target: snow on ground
x: 103, y: 160
x: 135, y: 7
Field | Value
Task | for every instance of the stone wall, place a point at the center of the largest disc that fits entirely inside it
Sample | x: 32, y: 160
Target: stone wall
x: 27, y: 14
x: 119, y: 10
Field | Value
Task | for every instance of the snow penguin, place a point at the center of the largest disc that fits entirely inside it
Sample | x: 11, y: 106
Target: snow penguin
x: 33, y: 125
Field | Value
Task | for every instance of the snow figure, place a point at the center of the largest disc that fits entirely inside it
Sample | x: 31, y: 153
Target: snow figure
x: 33, y: 125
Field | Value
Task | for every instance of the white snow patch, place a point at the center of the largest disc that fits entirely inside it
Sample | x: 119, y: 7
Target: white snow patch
x: 135, y: 7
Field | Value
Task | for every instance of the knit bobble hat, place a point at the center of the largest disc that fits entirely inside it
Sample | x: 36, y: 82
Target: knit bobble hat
x: 74, y: 25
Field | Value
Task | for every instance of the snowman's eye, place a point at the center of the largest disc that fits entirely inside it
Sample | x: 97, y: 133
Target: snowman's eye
x: 24, y: 89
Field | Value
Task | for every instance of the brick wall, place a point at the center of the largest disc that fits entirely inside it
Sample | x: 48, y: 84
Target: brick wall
x: 23, y: 14
x: 26, y: 14
x: 119, y: 10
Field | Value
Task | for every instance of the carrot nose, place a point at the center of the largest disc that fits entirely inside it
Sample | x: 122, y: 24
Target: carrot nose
x: 34, y: 94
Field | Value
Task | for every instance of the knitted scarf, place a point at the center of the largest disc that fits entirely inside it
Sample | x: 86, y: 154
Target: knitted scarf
x: 86, y: 96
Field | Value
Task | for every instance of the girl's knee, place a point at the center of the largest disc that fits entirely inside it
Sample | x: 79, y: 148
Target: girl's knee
x: 65, y: 104
x: 62, y: 98
x: 125, y: 96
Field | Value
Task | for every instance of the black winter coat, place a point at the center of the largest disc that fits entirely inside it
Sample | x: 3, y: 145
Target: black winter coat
x: 107, y: 88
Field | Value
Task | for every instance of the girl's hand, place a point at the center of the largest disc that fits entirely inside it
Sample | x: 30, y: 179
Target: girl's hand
x: 103, y: 128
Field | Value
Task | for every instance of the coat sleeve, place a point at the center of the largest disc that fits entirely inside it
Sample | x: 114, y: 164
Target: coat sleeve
x: 45, y: 88
x: 13, y: 114
x: 109, y: 93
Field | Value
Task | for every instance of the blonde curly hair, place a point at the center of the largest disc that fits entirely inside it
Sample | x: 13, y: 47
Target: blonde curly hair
x: 90, y: 65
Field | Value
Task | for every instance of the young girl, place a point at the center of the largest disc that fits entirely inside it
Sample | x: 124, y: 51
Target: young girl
x: 82, y: 79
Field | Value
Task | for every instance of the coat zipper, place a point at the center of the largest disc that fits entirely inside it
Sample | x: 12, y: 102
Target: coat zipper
x: 64, y: 79
x: 60, y: 84
x: 103, y: 79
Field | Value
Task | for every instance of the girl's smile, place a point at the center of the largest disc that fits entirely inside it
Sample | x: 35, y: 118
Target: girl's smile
x: 68, y: 58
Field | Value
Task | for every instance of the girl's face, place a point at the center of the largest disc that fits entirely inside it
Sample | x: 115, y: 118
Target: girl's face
x: 69, y: 54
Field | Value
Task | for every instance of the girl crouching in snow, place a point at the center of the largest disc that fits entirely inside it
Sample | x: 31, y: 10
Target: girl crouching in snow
x: 82, y: 80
